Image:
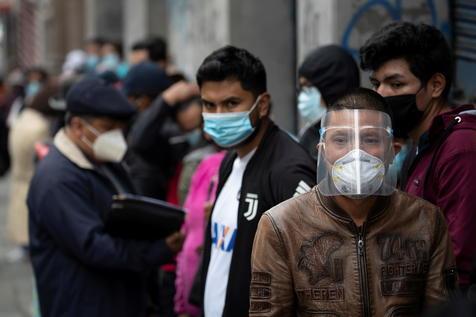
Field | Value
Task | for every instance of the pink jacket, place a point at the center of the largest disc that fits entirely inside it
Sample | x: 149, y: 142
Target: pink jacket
x: 202, y: 190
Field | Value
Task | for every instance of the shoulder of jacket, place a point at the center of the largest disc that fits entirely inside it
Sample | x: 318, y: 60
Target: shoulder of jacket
x: 289, y: 151
x: 413, y: 205
x: 57, y: 169
x: 290, y: 209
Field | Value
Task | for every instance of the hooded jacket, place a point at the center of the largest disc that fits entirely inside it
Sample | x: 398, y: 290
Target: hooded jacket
x: 310, y: 259
x: 450, y: 181
x: 333, y: 71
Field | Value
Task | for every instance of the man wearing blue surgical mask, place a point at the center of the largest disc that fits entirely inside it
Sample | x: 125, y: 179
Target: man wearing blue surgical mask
x: 264, y: 167
x: 36, y: 77
x: 326, y: 74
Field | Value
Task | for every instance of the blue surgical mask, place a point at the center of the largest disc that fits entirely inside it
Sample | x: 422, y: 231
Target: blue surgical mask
x: 91, y: 62
x: 309, y: 105
x: 32, y: 88
x: 194, y: 137
x: 229, y: 129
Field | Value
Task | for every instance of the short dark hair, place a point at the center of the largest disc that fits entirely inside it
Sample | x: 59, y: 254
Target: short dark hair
x: 117, y: 47
x: 157, y: 48
x: 140, y: 45
x: 99, y: 41
x: 362, y: 98
x: 42, y: 72
x: 231, y: 62
x: 422, y: 46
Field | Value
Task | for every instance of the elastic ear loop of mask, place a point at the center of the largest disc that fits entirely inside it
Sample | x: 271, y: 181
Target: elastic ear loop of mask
x: 93, y: 130
x: 357, y: 146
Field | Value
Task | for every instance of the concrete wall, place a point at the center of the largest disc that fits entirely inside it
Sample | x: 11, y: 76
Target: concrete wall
x: 266, y: 28
x: 196, y: 28
x: 136, y: 22
x: 158, y: 20
x: 104, y: 18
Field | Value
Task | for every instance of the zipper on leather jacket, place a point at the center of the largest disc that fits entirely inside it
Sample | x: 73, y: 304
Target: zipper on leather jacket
x: 362, y: 267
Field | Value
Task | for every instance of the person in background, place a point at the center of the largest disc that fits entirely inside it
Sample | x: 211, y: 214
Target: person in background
x: 158, y: 137
x: 157, y: 51
x: 201, y: 193
x: 326, y: 74
x: 354, y: 246
x: 35, y: 78
x: 111, y: 59
x: 92, y: 48
x: 144, y: 83
x: 32, y: 126
x: 264, y: 166
x: 73, y: 65
x: 91, y: 272
x: 412, y: 67
x: 139, y: 53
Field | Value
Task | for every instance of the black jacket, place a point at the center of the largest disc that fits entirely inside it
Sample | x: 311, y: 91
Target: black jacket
x: 278, y: 170
x: 155, y: 149
x: 310, y: 139
x: 81, y: 270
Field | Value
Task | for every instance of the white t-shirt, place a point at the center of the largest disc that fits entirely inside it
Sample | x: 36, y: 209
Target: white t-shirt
x: 224, y: 226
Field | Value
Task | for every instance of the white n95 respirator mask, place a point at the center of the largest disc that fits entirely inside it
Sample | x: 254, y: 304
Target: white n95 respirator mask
x: 109, y: 146
x: 358, y: 173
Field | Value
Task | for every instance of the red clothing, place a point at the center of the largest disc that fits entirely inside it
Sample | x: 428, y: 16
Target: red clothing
x: 451, y: 183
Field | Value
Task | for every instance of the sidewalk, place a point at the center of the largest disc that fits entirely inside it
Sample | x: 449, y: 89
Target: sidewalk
x: 15, y: 278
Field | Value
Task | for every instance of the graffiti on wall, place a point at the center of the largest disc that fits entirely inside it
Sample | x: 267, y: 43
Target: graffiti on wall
x: 368, y: 16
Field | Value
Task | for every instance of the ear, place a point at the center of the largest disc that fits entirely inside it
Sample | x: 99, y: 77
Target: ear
x: 437, y: 84
x: 76, y: 127
x: 397, y: 146
x: 143, y: 102
x: 264, y: 105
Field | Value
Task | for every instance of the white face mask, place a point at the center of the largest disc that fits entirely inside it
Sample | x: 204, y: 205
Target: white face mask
x: 358, y: 174
x: 109, y: 146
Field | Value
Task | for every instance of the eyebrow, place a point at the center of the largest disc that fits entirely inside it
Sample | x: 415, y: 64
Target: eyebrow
x: 232, y: 98
x: 387, y: 78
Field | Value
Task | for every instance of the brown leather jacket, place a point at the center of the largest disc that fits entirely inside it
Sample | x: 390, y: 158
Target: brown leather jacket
x: 310, y: 259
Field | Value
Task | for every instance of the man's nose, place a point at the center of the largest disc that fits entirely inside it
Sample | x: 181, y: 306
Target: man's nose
x: 383, y: 91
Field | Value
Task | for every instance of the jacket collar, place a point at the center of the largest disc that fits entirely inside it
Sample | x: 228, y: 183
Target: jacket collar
x: 442, y: 121
x: 330, y: 206
x: 262, y: 146
x: 72, y: 152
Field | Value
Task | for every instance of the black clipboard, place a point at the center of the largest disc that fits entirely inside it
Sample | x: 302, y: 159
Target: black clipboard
x: 142, y: 218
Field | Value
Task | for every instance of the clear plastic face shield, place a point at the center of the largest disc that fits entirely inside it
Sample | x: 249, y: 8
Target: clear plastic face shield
x: 355, y: 154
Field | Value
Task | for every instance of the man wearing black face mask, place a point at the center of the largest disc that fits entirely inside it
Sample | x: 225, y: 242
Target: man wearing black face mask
x: 412, y: 67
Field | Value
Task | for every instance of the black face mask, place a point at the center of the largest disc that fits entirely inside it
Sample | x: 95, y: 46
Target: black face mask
x: 406, y: 115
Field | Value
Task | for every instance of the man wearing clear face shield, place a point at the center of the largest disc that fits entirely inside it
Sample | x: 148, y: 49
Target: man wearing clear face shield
x: 354, y: 245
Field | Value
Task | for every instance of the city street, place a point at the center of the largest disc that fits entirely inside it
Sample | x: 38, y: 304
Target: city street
x: 15, y: 278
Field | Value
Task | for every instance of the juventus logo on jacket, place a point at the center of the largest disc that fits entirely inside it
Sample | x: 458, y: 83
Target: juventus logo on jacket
x: 252, y: 200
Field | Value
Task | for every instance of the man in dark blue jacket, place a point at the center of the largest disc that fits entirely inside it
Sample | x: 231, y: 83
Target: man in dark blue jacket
x: 80, y: 269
